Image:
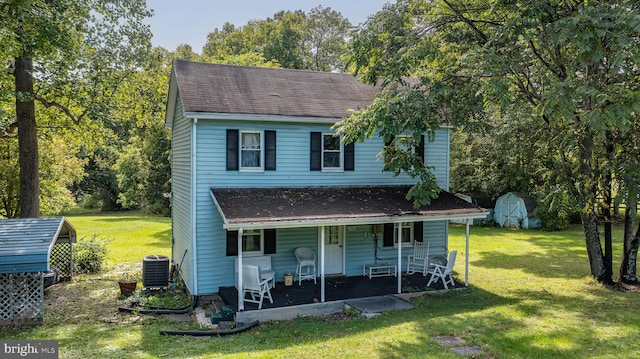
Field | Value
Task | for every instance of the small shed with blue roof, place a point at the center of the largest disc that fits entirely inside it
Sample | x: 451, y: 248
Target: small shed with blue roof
x: 32, y: 251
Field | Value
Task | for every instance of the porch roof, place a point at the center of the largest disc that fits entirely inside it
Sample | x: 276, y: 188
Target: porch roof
x: 316, y: 206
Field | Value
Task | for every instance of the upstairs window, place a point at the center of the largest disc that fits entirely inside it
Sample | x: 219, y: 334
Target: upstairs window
x: 331, y: 152
x: 251, y: 151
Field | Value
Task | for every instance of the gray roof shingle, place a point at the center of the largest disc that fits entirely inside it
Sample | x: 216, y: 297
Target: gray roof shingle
x: 270, y: 206
x: 230, y: 89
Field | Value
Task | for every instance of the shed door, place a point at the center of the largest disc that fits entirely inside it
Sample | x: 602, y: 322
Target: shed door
x: 511, y: 214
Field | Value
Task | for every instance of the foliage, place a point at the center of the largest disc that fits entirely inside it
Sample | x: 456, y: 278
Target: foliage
x: 292, y: 40
x: 69, y: 59
x: 564, y: 72
x: 129, y: 276
x: 59, y: 170
x: 90, y: 253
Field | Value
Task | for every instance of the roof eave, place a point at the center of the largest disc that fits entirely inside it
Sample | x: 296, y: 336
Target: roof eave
x: 349, y: 221
x: 171, y: 100
x: 259, y: 117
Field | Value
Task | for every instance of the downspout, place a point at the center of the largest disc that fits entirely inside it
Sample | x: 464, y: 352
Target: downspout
x: 194, y: 182
x: 322, y: 264
x: 240, y: 284
x: 399, y: 270
x: 466, y: 255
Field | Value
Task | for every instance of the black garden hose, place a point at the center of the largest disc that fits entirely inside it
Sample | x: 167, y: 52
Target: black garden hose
x: 211, y: 333
x: 156, y: 310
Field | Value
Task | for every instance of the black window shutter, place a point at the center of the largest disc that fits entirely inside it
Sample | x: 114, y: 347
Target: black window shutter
x: 387, y: 237
x: 316, y: 151
x: 269, y: 241
x: 349, y: 156
x: 233, y: 143
x: 420, y: 148
x: 417, y: 231
x: 388, y: 143
x: 232, y: 243
x: 270, y: 150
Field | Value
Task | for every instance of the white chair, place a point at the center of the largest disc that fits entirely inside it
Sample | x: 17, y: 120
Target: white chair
x: 441, y: 272
x: 306, y: 259
x: 419, y: 260
x: 254, y: 286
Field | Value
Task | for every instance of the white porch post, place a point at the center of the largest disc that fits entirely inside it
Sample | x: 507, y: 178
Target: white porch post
x: 399, y: 270
x: 322, y: 264
x: 240, y: 291
x: 466, y: 255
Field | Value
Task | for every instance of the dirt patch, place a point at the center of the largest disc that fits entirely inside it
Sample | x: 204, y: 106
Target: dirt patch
x: 86, y: 299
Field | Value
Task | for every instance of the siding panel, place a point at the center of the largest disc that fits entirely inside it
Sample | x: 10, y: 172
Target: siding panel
x: 215, y: 269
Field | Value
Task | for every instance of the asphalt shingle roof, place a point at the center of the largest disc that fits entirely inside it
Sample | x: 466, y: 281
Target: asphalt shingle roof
x: 273, y: 205
x: 218, y: 88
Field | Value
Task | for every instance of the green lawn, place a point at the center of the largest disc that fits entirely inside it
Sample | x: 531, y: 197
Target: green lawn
x: 134, y: 234
x: 530, y: 297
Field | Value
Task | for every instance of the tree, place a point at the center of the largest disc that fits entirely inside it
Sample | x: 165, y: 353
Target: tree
x: 327, y: 31
x: 290, y: 39
x: 69, y: 56
x: 571, y: 66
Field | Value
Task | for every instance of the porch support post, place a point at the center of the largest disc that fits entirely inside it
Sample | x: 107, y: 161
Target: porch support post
x: 322, y: 264
x: 399, y: 270
x: 466, y: 255
x: 240, y: 291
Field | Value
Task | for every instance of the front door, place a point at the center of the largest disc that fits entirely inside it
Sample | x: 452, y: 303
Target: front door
x: 334, y: 249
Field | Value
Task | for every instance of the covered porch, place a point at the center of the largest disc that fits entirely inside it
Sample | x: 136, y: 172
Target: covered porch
x: 337, y: 288
x: 270, y: 209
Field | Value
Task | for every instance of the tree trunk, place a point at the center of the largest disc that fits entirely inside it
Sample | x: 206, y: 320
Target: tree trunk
x: 594, y: 248
x: 606, y: 206
x: 631, y: 244
x: 27, y: 138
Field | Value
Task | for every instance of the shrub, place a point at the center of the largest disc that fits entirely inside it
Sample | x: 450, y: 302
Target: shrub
x: 89, y: 254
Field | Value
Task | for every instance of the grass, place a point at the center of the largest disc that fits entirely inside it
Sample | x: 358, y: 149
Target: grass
x: 530, y: 297
x: 134, y: 234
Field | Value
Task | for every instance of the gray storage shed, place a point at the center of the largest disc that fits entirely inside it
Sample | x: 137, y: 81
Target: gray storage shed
x: 515, y: 210
x: 30, y: 249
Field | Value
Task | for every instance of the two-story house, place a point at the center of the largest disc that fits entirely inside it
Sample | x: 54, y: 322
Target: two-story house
x: 258, y: 171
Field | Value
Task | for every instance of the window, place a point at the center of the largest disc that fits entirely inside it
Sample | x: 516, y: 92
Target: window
x: 402, y: 142
x: 328, y: 154
x: 331, y: 152
x: 333, y: 235
x: 251, y: 151
x: 411, y: 232
x: 255, y: 242
x: 252, y: 242
x: 407, y: 234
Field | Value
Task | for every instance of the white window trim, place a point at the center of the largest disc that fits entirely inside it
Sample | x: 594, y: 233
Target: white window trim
x: 253, y: 253
x: 251, y: 169
x: 322, y: 151
x: 398, y: 143
x: 411, y: 235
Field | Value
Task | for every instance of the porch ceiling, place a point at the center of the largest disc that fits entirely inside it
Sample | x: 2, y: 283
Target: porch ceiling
x: 315, y: 206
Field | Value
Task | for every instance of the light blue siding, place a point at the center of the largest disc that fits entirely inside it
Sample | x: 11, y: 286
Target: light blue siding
x: 181, y: 195
x: 292, y: 145
x: 214, y: 268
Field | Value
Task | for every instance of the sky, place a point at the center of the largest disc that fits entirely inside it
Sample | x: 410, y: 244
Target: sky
x: 190, y: 21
